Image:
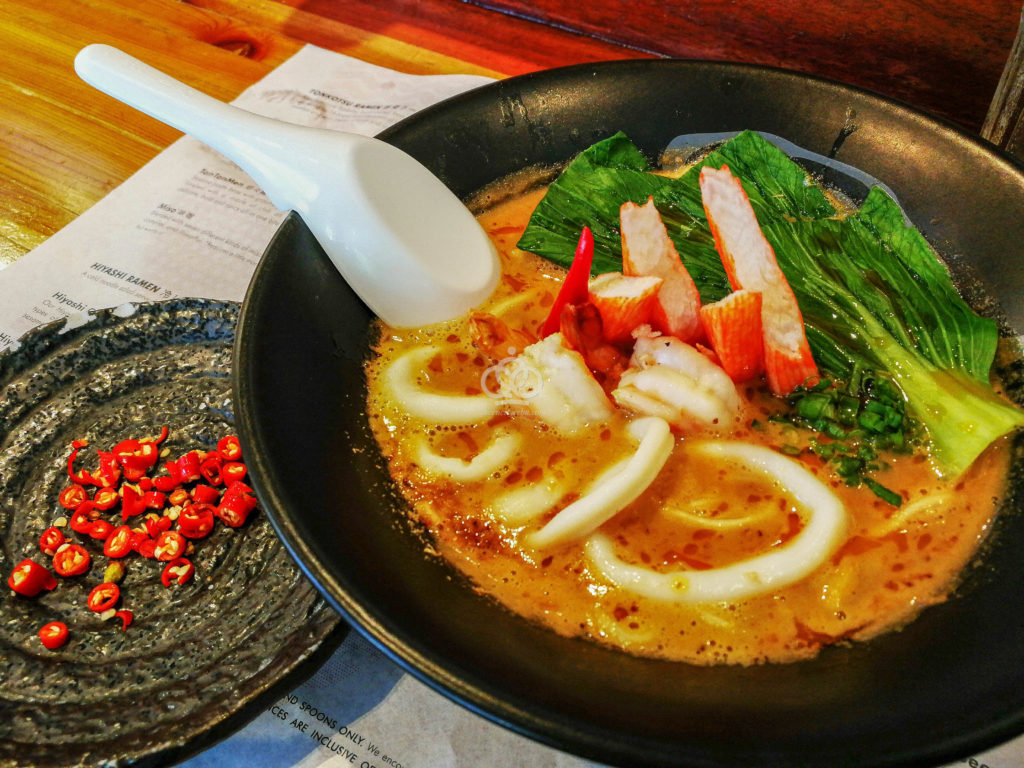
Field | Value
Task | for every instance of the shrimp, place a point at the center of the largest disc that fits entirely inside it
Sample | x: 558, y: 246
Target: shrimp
x: 569, y: 398
x: 583, y: 331
x: 495, y: 338
x: 674, y: 380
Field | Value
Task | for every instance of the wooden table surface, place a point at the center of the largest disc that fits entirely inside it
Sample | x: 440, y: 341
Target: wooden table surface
x: 63, y: 145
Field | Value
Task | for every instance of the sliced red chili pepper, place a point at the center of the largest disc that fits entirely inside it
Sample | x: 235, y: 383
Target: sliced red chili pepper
x: 119, y: 542
x: 179, y: 570
x: 178, y: 497
x: 72, y: 496
x: 205, y: 494
x: 574, y: 290
x: 169, y: 545
x: 105, y: 498
x: 29, y: 578
x: 188, y: 467
x: 145, y: 484
x: 196, y: 520
x: 82, y: 519
x: 237, y: 487
x: 71, y: 560
x: 81, y: 477
x: 210, y: 468
x: 136, y: 457
x: 126, y: 448
x: 131, y: 502
x: 166, y: 483
x: 143, y: 544
x: 126, y: 618
x: 230, y: 448
x: 53, y: 635
x: 232, y: 472
x: 133, y: 474
x: 109, y: 472
x: 103, y: 597
x: 234, y: 508
x: 157, y: 524
x: 50, y: 540
x: 100, y: 530
x: 154, y: 500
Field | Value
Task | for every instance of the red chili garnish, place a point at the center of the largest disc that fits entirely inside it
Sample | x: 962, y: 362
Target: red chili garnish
x: 53, y: 635
x: 229, y: 448
x: 178, y: 497
x: 188, y: 467
x: 165, y: 483
x: 82, y: 519
x: 574, y: 290
x: 81, y: 477
x: 109, y: 472
x: 72, y: 496
x: 136, y: 457
x: 103, y: 597
x: 29, y: 578
x: 71, y: 560
x: 205, y: 494
x: 154, y: 500
x: 210, y: 468
x: 196, y: 520
x: 238, y: 487
x: 145, y: 484
x: 50, y: 540
x: 179, y: 570
x: 157, y: 524
x: 100, y: 530
x: 119, y: 542
x: 126, y: 448
x: 169, y: 545
x: 131, y: 502
x: 143, y: 544
x: 234, y: 508
x: 125, y: 617
x: 105, y: 498
x: 232, y: 472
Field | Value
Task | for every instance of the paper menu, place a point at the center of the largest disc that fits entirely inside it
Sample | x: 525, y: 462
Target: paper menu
x: 192, y: 224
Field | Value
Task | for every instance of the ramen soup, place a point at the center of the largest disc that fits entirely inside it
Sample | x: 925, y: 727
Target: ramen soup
x: 629, y: 491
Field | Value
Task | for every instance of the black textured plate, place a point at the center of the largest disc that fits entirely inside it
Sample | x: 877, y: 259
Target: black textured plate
x: 198, y: 661
x: 949, y: 684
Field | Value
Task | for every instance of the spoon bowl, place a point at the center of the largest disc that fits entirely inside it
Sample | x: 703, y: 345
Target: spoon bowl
x: 401, y: 239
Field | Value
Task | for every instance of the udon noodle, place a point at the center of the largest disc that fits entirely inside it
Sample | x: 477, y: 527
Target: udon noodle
x: 600, y: 517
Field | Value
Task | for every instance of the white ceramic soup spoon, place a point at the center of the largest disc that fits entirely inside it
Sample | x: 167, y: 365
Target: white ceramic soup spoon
x: 405, y: 243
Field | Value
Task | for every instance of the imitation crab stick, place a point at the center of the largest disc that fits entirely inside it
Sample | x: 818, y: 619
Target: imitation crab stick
x: 735, y: 332
x: 647, y: 250
x: 750, y: 264
x: 624, y: 302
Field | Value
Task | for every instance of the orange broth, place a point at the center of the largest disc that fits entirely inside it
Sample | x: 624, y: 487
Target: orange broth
x: 697, y: 514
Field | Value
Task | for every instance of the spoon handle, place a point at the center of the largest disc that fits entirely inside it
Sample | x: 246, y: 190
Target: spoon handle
x: 258, y: 144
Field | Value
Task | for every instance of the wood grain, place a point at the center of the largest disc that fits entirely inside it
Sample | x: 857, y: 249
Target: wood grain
x: 64, y: 145
x: 943, y: 57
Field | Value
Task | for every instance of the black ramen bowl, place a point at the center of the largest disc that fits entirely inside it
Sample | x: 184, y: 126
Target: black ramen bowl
x: 949, y: 684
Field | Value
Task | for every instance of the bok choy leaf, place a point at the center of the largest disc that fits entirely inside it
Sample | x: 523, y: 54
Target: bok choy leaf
x: 873, y: 294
